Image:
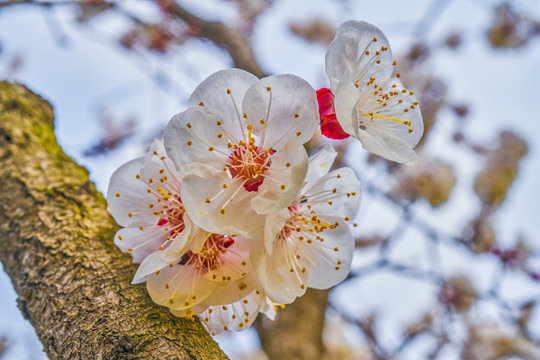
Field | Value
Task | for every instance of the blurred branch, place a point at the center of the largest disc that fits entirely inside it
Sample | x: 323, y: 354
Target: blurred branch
x: 3, y: 345
x: 402, y: 269
x: 56, y: 244
x: 236, y: 45
x: 366, y: 326
x: 434, y: 11
x: 457, y: 293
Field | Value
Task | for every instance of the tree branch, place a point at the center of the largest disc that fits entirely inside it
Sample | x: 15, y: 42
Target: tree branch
x: 56, y: 244
x: 236, y: 45
x: 297, y: 331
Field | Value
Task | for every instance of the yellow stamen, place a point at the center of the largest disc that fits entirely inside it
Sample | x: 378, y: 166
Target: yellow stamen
x: 371, y: 115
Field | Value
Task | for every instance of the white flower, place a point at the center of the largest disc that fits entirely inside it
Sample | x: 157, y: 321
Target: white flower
x: 232, y: 306
x: 237, y: 315
x: 309, y: 244
x: 143, y: 197
x: 191, y: 279
x: 370, y: 103
x: 240, y: 146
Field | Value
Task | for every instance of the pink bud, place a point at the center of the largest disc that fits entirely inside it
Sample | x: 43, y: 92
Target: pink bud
x: 329, y: 125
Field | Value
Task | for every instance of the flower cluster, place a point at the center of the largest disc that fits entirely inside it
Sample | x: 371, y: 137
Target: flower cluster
x: 227, y: 215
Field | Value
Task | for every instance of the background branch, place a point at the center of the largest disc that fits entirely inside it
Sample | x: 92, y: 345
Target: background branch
x: 236, y: 45
x: 296, y: 333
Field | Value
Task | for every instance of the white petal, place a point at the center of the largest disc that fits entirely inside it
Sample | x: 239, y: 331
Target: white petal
x: 193, y: 136
x: 156, y: 149
x: 269, y: 309
x: 234, y: 262
x: 140, y: 243
x: 389, y: 138
x: 198, y: 239
x: 273, y: 226
x: 342, y: 202
x: 342, y: 55
x: 320, y: 163
x: 160, y: 168
x: 280, y: 284
x: 328, y: 259
x: 345, y: 100
x: 127, y: 195
x: 149, y: 266
x: 282, y: 182
x: 362, y: 114
x: 180, y: 286
x: 232, y: 291
x: 402, y: 105
x: 354, y: 53
x: 212, y: 92
x: 135, y: 200
x: 237, y: 316
x: 388, y: 146
x: 179, y: 243
x: 133, y: 191
x: 195, y: 310
x: 237, y: 218
x: 289, y: 107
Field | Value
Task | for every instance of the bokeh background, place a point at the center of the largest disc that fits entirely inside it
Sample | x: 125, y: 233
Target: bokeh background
x: 447, y: 264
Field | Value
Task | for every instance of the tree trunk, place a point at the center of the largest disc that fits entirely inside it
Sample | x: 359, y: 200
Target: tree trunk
x: 56, y: 244
x: 296, y: 334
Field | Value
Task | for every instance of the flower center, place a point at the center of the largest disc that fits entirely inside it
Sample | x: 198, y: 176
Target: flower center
x: 207, y: 258
x: 171, y: 216
x: 385, y: 107
x: 249, y: 162
x: 301, y: 225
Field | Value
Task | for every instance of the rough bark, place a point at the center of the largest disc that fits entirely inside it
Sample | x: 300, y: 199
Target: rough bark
x: 296, y: 334
x: 56, y: 244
